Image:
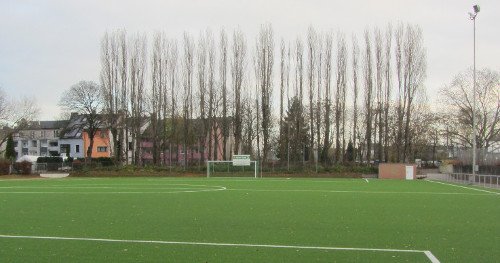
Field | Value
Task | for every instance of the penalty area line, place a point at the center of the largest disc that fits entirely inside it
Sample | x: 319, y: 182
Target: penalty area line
x: 427, y: 253
x: 465, y: 187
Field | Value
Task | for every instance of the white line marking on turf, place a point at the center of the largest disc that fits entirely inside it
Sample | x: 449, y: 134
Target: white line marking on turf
x: 366, y: 180
x: 465, y: 187
x: 431, y: 257
x: 343, y: 191
x: 428, y: 253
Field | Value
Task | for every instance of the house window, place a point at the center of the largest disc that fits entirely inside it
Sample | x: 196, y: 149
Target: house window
x: 77, y: 149
x: 102, y: 134
x: 102, y: 149
x: 32, y: 134
x: 43, y: 134
x: 56, y: 133
x: 34, y: 143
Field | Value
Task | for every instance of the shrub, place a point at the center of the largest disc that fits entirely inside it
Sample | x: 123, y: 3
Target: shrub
x: 49, y: 160
x: 23, y: 167
x: 104, y: 161
x: 77, y: 164
x: 4, y: 167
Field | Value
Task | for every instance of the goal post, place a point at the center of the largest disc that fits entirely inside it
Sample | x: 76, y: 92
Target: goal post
x: 235, y: 168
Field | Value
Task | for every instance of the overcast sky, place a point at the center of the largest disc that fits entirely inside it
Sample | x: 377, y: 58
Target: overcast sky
x: 47, y: 46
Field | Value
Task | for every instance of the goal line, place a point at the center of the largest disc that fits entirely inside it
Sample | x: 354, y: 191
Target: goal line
x: 427, y: 253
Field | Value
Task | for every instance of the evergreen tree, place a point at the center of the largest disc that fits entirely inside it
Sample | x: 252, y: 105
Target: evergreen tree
x: 349, y: 153
x: 295, y: 130
x: 10, y: 152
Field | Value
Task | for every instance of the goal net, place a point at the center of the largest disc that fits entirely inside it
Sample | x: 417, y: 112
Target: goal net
x: 228, y: 169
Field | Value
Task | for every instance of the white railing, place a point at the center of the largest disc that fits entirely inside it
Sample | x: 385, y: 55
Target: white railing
x: 490, y: 181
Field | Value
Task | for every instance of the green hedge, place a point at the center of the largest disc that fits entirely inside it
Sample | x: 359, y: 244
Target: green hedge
x: 54, y: 159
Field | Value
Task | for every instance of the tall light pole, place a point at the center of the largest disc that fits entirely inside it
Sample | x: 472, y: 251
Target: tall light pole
x: 473, y: 177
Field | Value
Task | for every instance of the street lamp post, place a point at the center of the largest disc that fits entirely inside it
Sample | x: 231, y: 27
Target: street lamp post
x: 473, y: 177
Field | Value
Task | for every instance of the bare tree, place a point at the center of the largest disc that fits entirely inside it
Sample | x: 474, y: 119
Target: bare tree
x: 299, y: 83
x: 85, y: 99
x: 340, y: 97
x: 188, y: 71
x: 355, y: 94
x: 328, y: 104
x: 237, y: 73
x: 263, y: 71
x: 158, y: 94
x: 137, y: 72
x: 202, y: 90
x: 223, y: 85
x: 283, y: 76
x: 414, y: 73
x: 14, y: 113
x: 319, y: 95
x: 458, y: 98
x: 312, y: 40
x: 379, y: 93
x: 173, y: 86
x: 401, y: 101
x: 212, y: 102
x: 368, y: 74
x: 113, y: 67
x: 388, y: 88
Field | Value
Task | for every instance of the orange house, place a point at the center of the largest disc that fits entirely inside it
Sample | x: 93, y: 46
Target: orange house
x: 101, y: 147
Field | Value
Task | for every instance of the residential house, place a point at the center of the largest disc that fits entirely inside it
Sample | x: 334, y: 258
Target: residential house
x: 102, y: 145
x: 39, y: 138
x: 71, y: 137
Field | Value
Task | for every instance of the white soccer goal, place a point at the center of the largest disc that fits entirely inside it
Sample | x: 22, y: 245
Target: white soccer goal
x: 228, y: 169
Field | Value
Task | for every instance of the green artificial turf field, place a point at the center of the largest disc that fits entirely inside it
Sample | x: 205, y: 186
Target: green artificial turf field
x: 246, y: 220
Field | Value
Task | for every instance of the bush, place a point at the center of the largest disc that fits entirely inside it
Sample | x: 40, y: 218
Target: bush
x: 104, y: 161
x: 4, y: 167
x: 23, y: 167
x: 49, y: 160
x: 77, y: 164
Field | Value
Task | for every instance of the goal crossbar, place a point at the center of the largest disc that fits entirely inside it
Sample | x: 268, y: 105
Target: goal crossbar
x: 254, y: 163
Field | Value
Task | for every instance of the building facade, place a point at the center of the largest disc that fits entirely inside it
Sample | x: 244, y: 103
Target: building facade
x: 40, y: 138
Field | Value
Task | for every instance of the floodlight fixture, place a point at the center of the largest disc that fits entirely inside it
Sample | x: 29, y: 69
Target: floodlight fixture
x: 476, y: 9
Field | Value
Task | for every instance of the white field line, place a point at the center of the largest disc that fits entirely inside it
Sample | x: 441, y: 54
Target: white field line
x: 429, y: 254
x: 238, y: 179
x: 465, y: 187
x: 176, y: 192
x: 367, y: 180
x: 342, y: 191
x: 172, y: 190
x: 103, y: 187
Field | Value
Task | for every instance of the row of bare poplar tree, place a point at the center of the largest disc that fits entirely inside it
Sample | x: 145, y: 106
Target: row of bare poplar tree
x: 325, y: 92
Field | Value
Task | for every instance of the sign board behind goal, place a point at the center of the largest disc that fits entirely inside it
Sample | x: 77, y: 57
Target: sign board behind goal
x: 241, y: 160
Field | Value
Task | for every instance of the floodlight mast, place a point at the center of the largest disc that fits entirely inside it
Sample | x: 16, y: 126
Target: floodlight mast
x: 473, y: 177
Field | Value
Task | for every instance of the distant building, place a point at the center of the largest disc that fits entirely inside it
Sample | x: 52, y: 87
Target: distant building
x: 39, y: 138
x: 101, y: 146
x: 71, y: 137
